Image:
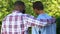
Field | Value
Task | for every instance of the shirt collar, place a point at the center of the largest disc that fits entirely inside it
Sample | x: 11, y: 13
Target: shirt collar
x: 43, y: 14
x: 15, y: 11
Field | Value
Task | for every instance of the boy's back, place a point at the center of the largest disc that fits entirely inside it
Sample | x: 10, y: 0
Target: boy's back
x: 51, y: 29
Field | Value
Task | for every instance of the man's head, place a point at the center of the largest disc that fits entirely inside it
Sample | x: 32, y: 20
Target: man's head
x: 20, y: 6
x: 38, y: 7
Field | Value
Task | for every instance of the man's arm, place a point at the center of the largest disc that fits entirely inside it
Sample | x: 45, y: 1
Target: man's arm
x: 34, y: 22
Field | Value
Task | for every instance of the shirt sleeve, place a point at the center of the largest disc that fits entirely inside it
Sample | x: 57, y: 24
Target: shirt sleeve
x: 31, y: 21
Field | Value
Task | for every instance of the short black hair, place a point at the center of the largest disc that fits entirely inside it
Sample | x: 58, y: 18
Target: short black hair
x: 38, y: 5
x: 18, y: 3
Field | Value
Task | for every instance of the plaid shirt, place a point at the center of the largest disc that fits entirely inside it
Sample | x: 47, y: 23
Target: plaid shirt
x: 18, y: 23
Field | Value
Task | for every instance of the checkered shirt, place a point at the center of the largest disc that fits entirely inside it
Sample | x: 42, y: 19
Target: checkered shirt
x: 18, y: 23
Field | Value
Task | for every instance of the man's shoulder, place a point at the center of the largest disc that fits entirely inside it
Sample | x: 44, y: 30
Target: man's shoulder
x: 28, y: 15
x: 6, y: 17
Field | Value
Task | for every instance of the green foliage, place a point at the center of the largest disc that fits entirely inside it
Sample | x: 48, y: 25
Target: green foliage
x: 52, y: 7
x: 58, y: 25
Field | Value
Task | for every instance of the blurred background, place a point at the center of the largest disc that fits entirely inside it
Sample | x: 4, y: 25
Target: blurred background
x: 52, y: 7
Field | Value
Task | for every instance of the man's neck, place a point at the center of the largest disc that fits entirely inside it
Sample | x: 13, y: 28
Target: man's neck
x: 16, y: 11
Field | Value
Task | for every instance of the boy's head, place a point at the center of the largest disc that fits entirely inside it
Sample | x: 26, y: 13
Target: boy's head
x: 38, y: 6
x: 20, y: 6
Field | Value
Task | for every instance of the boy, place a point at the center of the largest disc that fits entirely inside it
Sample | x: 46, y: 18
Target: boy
x: 39, y: 10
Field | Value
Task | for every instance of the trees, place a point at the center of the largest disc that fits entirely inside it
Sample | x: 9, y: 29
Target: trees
x: 52, y: 7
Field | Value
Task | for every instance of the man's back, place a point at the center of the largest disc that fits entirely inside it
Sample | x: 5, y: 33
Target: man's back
x: 12, y: 24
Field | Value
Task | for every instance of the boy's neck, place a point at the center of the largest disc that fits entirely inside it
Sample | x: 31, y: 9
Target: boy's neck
x: 41, y: 12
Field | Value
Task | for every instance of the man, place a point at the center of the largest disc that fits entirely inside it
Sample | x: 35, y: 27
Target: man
x: 17, y: 22
x: 42, y: 16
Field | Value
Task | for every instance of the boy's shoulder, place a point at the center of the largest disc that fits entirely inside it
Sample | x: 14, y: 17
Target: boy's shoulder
x: 44, y: 16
